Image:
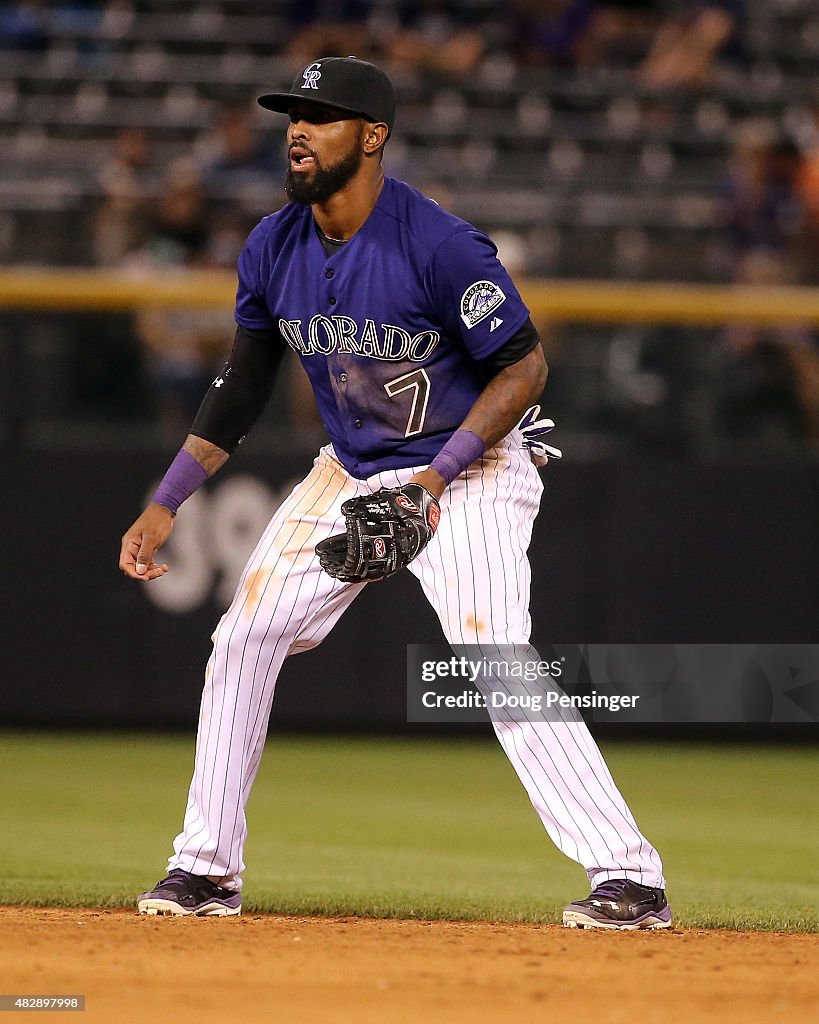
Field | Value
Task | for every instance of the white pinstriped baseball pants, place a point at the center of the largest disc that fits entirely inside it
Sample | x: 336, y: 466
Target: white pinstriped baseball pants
x: 476, y: 575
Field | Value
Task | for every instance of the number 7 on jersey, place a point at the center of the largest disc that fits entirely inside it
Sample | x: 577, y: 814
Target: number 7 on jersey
x: 416, y: 381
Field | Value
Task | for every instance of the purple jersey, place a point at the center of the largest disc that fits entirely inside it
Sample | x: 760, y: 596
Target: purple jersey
x: 390, y: 329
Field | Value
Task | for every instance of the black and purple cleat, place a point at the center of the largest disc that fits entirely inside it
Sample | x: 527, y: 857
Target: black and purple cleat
x: 183, y: 894
x: 621, y: 904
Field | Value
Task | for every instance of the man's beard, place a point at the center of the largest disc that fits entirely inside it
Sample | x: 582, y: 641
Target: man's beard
x: 326, y: 181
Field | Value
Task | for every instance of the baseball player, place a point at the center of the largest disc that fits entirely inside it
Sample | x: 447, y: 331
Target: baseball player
x: 423, y: 359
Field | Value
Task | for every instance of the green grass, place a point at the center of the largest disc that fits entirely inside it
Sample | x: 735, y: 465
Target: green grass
x: 423, y: 828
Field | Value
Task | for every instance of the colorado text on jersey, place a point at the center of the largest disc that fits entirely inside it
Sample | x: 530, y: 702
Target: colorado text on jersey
x: 328, y: 334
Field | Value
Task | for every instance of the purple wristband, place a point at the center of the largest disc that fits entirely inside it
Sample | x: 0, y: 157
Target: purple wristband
x: 184, y: 476
x: 460, y: 451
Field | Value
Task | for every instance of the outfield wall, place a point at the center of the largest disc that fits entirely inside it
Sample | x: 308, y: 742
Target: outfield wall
x: 641, y: 552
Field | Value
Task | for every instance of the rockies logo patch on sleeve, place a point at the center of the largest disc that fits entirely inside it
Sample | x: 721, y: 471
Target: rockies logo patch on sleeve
x: 479, y: 300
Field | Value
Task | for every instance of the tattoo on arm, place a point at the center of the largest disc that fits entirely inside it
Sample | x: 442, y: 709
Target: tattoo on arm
x: 506, y: 397
x: 209, y: 457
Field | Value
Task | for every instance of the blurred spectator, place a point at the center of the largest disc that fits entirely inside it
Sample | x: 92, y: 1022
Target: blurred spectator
x: 620, y: 32
x: 437, y: 35
x: 177, y: 228
x: 689, y: 41
x: 226, y: 240
x: 235, y: 155
x: 551, y: 32
x: 590, y: 34
x: 768, y: 374
x: 318, y: 27
x: 125, y: 181
x: 807, y: 188
x: 760, y: 200
x: 651, y: 383
x: 184, y: 347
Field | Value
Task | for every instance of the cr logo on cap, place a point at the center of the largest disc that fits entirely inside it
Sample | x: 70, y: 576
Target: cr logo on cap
x: 311, y: 74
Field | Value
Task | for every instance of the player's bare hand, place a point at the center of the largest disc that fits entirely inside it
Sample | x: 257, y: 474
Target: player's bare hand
x: 141, y: 543
x: 431, y: 480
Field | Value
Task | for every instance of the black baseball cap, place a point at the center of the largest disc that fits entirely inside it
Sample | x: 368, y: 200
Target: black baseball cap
x: 345, y: 83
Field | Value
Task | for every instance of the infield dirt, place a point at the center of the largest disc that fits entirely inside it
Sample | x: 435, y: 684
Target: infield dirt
x: 258, y: 968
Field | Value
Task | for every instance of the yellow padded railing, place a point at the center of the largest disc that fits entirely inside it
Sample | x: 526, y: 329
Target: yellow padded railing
x: 559, y: 300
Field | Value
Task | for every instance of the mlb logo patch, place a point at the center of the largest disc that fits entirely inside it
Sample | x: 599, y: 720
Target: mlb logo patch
x: 479, y: 300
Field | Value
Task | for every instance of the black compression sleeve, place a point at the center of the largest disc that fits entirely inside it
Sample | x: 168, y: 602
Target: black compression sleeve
x: 237, y: 397
x: 519, y: 345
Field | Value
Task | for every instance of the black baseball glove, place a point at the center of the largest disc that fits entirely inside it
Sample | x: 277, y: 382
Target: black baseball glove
x: 385, y: 531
